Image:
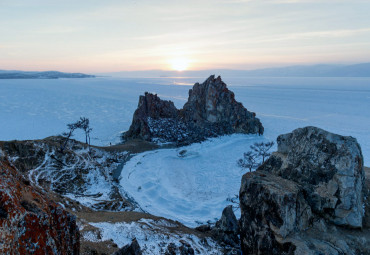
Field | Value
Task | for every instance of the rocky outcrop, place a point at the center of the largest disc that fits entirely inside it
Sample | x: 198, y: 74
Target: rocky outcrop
x: 150, y: 109
x: 307, y: 198
x: 30, y: 223
x: 211, y: 110
x: 213, y: 104
x: 226, y: 229
x: 130, y: 249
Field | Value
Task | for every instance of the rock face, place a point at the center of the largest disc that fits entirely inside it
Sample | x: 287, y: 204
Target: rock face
x: 150, y: 109
x: 227, y: 228
x: 130, y: 249
x: 29, y: 222
x: 306, y: 197
x: 211, y: 110
x: 212, y: 103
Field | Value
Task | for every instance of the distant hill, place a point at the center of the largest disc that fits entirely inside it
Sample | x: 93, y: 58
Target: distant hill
x: 358, y: 70
x: 41, y: 75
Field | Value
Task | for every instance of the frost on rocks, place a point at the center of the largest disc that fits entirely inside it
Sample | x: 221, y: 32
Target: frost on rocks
x: 78, y: 174
x: 153, y: 236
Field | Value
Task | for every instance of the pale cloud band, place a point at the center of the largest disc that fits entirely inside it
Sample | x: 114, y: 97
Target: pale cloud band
x: 114, y: 35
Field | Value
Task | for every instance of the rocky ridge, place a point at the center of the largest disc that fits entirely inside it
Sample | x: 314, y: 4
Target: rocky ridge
x: 307, y: 198
x: 211, y: 110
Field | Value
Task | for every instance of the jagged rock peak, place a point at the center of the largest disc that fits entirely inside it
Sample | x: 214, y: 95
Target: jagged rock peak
x: 211, y: 110
x: 295, y: 201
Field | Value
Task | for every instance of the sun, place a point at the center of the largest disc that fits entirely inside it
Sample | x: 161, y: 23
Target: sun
x: 180, y: 64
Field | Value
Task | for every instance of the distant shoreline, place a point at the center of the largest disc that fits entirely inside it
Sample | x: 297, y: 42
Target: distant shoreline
x: 10, y: 75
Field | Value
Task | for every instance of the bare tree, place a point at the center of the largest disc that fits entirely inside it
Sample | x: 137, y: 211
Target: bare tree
x: 67, y: 135
x: 262, y: 149
x: 84, y: 124
x: 249, y: 161
x: 234, y: 200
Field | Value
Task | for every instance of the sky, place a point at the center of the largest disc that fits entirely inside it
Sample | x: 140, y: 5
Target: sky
x: 116, y: 35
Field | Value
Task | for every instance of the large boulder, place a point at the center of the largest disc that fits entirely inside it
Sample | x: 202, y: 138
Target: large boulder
x: 211, y: 110
x: 300, y: 200
x: 30, y: 223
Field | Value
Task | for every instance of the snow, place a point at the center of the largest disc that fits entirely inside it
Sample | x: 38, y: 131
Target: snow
x: 95, y: 167
x: 191, y: 188
x: 152, y: 236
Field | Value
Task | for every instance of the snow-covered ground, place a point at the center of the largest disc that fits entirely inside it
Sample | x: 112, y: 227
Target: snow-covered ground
x: 152, y: 236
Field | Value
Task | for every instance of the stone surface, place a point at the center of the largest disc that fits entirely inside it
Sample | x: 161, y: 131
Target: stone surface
x: 330, y: 169
x: 150, y: 107
x: 212, y: 103
x: 130, y: 249
x: 30, y: 223
x: 306, y: 197
x: 211, y: 110
x: 226, y: 229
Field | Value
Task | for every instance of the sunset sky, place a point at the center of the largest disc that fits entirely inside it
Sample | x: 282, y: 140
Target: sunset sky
x: 117, y: 35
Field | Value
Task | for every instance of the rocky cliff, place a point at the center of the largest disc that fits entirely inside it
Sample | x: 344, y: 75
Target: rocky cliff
x: 307, y: 198
x: 30, y: 223
x: 211, y: 110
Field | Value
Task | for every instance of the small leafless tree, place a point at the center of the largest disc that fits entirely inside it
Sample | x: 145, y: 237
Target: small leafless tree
x: 249, y: 161
x: 84, y: 124
x: 67, y: 135
x: 234, y: 200
x: 262, y: 149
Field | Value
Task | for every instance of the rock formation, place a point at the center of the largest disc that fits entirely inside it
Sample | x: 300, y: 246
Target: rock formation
x: 130, y: 249
x: 307, y: 198
x: 227, y: 228
x: 225, y: 231
x: 211, y: 110
x: 30, y: 223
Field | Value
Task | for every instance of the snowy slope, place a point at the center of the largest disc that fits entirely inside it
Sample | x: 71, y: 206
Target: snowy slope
x: 188, y: 188
x: 153, y: 236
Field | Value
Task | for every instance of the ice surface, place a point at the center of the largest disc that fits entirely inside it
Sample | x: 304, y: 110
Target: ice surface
x: 31, y: 109
x: 193, y: 188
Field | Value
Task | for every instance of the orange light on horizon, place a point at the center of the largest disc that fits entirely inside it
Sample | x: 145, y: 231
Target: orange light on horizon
x: 179, y: 64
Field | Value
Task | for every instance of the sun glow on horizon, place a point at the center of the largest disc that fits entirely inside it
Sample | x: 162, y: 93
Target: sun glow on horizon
x: 180, y: 64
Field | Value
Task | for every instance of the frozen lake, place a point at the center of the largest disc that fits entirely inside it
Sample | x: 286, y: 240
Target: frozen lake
x: 31, y: 109
x: 194, y: 188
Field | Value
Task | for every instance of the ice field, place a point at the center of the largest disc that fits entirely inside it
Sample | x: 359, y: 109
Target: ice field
x: 31, y: 109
